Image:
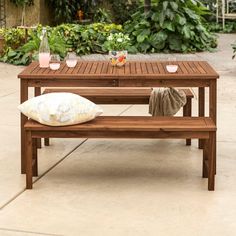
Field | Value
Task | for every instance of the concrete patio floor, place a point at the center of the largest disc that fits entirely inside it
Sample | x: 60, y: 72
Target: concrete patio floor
x: 121, y: 187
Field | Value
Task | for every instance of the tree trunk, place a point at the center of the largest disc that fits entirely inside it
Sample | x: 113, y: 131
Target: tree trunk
x: 147, y: 5
x: 23, y: 15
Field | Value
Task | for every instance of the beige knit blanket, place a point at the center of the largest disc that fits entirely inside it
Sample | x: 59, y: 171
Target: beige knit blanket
x: 166, y: 101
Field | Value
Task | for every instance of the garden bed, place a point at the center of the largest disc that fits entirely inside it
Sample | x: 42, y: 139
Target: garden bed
x: 167, y: 27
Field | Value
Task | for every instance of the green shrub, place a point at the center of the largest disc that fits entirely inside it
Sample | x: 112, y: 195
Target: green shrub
x: 117, y: 42
x: 95, y: 35
x: 14, y: 37
x: 56, y: 42
x: 230, y: 27
x: 170, y: 26
x: 24, y: 54
x: 83, y: 39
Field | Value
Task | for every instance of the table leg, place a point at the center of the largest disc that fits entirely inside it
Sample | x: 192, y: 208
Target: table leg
x: 213, y: 108
x: 46, y: 142
x: 201, y: 111
x: 23, y: 98
x: 37, y: 92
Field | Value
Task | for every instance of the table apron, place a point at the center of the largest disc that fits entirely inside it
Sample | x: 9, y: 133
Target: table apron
x: 119, y: 83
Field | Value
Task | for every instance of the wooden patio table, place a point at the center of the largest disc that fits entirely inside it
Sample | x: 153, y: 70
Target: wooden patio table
x: 134, y: 74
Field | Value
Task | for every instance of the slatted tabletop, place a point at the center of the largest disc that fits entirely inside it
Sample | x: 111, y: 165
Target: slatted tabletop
x: 132, y: 69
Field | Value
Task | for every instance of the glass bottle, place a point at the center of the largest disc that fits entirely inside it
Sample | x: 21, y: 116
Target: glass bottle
x: 44, y: 50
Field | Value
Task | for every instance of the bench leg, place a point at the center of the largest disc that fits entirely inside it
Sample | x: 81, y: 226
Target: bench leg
x: 187, y: 111
x: 212, y: 160
x: 29, y: 153
x: 205, y: 161
x: 201, y: 111
x: 37, y: 92
x: 215, y: 168
x: 23, y: 98
x: 35, y: 158
x: 46, y: 142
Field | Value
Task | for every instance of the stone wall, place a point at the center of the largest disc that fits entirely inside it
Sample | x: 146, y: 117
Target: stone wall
x: 38, y: 13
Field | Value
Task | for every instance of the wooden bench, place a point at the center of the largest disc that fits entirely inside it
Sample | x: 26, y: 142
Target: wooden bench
x: 102, y: 95
x: 129, y: 127
x: 136, y: 95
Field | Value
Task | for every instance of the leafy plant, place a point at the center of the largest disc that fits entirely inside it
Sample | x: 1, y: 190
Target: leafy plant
x: 117, y: 42
x: 25, y: 54
x: 56, y: 43
x: 16, y: 57
x: 170, y: 26
x: 230, y: 27
x: 13, y: 37
x: 84, y: 39
x: 95, y: 35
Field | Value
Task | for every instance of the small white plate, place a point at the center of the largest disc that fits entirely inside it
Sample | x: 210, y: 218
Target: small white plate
x: 172, y: 68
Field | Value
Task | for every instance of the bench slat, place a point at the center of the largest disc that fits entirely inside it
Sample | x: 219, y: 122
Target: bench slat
x: 133, y: 123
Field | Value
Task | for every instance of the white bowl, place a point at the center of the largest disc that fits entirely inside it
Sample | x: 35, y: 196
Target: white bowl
x: 172, y: 68
x: 71, y: 62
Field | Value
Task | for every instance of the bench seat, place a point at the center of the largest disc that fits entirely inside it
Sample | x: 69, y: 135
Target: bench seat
x: 114, y: 95
x: 127, y: 95
x: 131, y: 127
x: 131, y: 123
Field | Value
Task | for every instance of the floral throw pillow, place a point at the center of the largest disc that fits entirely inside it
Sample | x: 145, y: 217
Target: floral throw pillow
x: 60, y: 109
